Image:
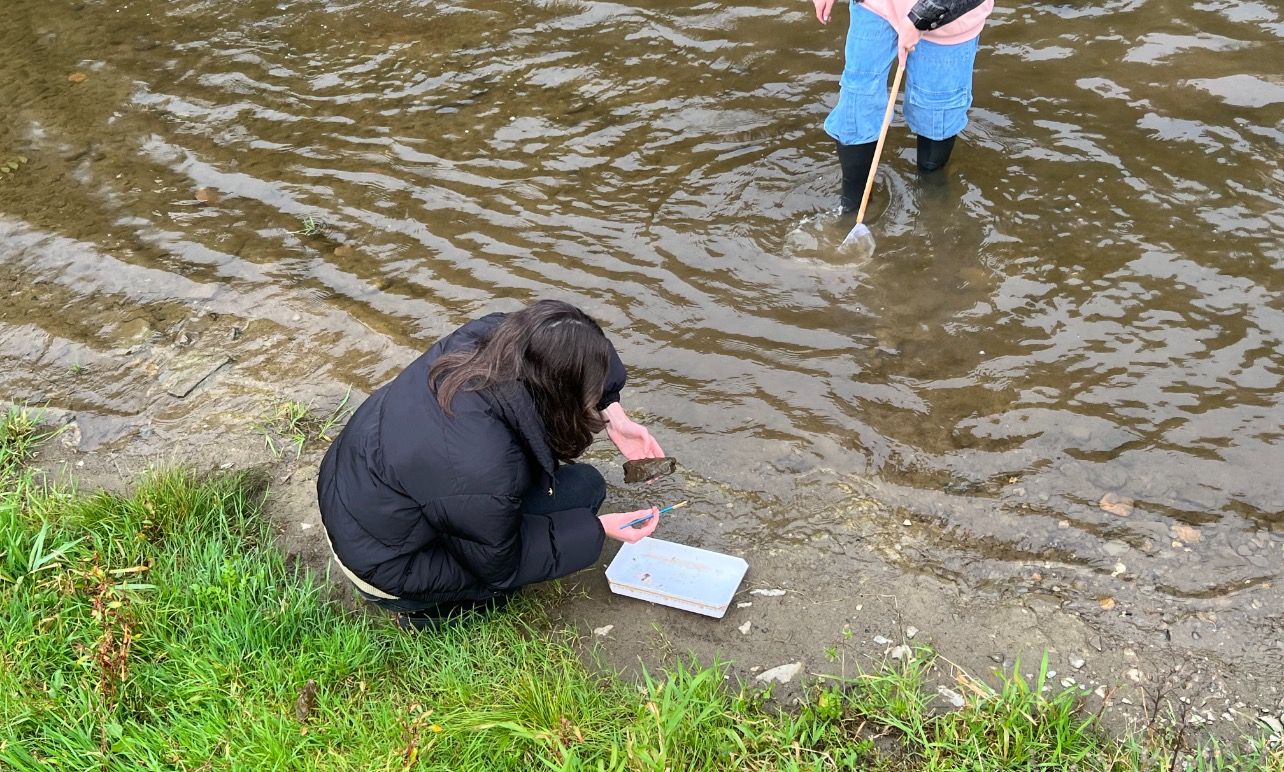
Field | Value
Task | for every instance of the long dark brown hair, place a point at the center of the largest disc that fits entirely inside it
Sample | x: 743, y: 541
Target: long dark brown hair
x: 556, y: 350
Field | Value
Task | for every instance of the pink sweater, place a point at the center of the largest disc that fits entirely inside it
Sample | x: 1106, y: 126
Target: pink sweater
x: 960, y: 30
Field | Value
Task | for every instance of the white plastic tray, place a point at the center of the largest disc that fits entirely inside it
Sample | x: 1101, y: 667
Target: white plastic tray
x: 676, y: 575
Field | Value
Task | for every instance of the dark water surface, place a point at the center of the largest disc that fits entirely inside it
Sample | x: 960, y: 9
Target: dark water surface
x: 1088, y: 302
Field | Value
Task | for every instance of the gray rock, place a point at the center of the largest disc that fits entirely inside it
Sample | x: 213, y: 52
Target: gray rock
x: 781, y: 673
x: 952, y: 697
x: 191, y: 370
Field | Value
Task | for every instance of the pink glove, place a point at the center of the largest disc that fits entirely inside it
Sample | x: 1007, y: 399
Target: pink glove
x: 614, y: 524
x: 633, y: 439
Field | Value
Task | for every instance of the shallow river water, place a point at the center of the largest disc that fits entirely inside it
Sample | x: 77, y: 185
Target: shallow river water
x: 1086, y: 303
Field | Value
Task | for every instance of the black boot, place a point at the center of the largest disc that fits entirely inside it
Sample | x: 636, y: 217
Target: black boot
x: 855, y: 160
x: 934, y: 153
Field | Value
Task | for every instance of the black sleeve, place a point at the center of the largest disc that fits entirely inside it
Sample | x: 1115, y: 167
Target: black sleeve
x: 615, y: 379
x: 504, y: 550
x: 557, y: 544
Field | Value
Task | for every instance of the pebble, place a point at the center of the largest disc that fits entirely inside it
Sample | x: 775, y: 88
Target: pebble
x: 1120, y: 506
x: 305, y: 526
x: 744, y: 629
x: 881, y: 641
x: 908, y: 522
x: 1100, y: 691
x: 781, y: 673
x: 746, y: 604
x: 911, y: 631
x: 603, y: 631
x: 1076, y: 662
x: 952, y: 697
x: 1095, y: 642
x: 767, y: 593
x: 901, y: 652
x: 1274, y: 724
x: 996, y: 657
x: 1067, y: 682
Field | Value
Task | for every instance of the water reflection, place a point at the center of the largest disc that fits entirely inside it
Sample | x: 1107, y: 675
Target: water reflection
x: 1086, y: 302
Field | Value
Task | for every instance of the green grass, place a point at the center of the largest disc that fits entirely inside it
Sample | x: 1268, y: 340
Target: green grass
x: 313, y: 227
x: 293, y: 423
x: 163, y: 630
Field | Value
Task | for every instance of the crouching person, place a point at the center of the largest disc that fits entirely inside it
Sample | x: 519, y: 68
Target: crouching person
x: 454, y: 485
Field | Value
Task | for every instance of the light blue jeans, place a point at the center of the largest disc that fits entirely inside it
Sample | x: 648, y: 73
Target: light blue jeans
x: 938, y: 83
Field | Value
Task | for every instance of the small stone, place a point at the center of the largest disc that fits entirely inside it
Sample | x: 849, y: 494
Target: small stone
x: 911, y: 631
x: 952, y: 697
x: 1116, y: 504
x: 1274, y: 723
x: 1186, y: 533
x: 1119, y: 569
x: 881, y: 641
x: 1115, y: 548
x: 603, y: 631
x: 908, y: 522
x: 1095, y: 642
x: 901, y: 652
x: 781, y: 673
x: 1100, y: 691
x: 1067, y: 682
x: 1076, y: 662
x: 305, y: 526
x: 208, y: 196
x: 744, y: 629
x: 767, y: 593
x: 1107, y: 602
x: 996, y: 657
x: 1133, y: 674
x: 746, y: 604
x: 77, y: 77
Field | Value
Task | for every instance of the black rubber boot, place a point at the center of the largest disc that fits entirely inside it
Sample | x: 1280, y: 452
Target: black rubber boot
x: 855, y: 160
x: 934, y: 153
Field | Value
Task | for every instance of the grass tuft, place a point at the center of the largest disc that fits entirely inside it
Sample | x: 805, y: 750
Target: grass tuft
x: 293, y: 423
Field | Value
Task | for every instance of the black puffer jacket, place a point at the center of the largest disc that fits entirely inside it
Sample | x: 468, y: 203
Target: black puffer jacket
x: 425, y: 506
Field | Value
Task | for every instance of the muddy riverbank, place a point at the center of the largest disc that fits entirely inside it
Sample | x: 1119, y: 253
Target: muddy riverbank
x: 816, y: 606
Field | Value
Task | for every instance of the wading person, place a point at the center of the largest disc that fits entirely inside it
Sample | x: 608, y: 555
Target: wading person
x: 937, y: 41
x: 453, y: 485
